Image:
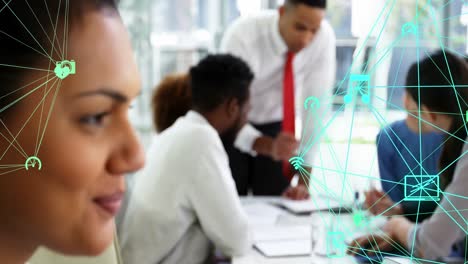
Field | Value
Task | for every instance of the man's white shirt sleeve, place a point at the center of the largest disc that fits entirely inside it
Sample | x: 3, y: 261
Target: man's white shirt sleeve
x: 214, y: 199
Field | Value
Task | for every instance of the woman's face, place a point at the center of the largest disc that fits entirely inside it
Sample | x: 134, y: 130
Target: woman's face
x: 86, y: 145
x: 431, y: 121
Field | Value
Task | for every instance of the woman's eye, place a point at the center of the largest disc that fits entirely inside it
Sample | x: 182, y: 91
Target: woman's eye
x: 94, y: 120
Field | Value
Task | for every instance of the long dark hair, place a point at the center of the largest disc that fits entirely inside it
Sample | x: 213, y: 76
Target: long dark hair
x: 33, y: 32
x: 442, y: 76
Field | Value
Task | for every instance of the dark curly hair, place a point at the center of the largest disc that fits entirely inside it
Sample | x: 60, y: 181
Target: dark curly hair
x: 217, y: 78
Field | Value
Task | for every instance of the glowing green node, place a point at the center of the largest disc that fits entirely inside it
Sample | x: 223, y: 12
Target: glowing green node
x: 336, y: 246
x: 311, y: 102
x: 358, y: 218
x: 65, y: 68
x: 348, y: 98
x: 32, y: 161
x: 409, y: 28
x: 365, y: 99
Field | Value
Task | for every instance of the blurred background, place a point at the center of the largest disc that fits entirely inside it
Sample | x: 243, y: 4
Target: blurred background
x: 171, y: 35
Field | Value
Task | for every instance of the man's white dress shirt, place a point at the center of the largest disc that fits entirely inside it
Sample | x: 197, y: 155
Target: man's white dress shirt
x: 184, y: 199
x: 257, y: 40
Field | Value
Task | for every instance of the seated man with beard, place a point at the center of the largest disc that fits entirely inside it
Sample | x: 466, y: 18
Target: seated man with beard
x: 185, y: 199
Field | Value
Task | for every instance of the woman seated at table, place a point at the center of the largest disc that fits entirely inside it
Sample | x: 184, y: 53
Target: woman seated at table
x: 406, y: 147
x: 443, y: 107
x: 66, y: 141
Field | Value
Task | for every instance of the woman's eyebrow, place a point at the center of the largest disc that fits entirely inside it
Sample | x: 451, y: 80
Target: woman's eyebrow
x: 115, y: 95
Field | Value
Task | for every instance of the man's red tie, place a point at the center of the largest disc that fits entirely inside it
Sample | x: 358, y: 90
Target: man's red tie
x: 288, y: 107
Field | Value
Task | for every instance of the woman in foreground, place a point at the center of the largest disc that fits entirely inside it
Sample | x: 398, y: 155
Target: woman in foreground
x: 67, y: 78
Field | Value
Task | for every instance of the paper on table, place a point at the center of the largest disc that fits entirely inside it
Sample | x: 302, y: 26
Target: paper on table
x: 278, y: 233
x: 392, y: 260
x: 260, y: 214
x: 308, y: 206
x: 284, y: 248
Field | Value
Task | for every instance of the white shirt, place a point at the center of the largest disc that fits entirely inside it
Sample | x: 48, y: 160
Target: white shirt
x: 447, y: 225
x: 257, y: 40
x: 183, y: 199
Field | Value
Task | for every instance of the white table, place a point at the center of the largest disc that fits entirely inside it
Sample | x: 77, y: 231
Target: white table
x: 282, y: 219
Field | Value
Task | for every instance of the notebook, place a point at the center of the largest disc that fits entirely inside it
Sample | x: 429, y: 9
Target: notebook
x: 286, y: 248
x: 281, y: 233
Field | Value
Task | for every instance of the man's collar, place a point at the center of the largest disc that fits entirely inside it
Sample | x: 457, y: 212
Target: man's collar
x: 278, y: 44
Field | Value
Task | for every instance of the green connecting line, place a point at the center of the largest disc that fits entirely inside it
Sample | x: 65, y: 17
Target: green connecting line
x: 26, y: 28
x: 440, y: 130
x: 313, y: 115
x: 62, y: 51
x: 48, y: 117
x: 377, y: 115
x: 313, y: 140
x: 24, y: 125
x: 22, y: 43
x: 17, y: 146
x: 5, y: 6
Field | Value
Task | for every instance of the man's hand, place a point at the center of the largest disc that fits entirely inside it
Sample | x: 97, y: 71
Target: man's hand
x: 299, y: 192
x: 395, y: 233
x: 379, y: 203
x: 283, y: 147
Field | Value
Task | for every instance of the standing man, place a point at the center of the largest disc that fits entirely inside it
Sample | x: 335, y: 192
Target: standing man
x: 292, y: 54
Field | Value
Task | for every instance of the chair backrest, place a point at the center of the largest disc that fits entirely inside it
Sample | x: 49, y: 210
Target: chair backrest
x: 110, y: 256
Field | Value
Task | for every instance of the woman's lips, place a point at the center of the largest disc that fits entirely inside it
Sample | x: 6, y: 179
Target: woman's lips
x: 110, y: 203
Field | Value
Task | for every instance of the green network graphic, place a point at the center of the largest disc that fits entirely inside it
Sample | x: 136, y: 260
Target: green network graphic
x: 359, y: 96
x: 48, y: 85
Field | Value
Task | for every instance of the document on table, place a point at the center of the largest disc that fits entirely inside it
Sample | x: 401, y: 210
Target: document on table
x: 261, y: 214
x: 311, y: 205
x: 281, y: 233
x: 283, y: 241
x: 392, y: 260
x: 284, y: 248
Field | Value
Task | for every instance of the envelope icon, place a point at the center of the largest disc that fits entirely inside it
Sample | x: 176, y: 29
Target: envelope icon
x: 422, y: 188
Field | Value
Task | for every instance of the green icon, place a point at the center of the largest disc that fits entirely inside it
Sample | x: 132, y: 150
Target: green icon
x: 422, y: 188
x: 336, y: 245
x: 311, y: 102
x: 32, y: 162
x: 65, y: 68
x: 409, y: 28
x: 358, y: 83
x: 359, y: 218
x: 297, y: 162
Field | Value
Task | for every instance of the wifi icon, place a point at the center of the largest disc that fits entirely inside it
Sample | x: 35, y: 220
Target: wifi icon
x: 297, y: 162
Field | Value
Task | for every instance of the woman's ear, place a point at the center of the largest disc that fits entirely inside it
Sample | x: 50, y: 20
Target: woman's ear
x: 409, y: 104
x: 429, y: 116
